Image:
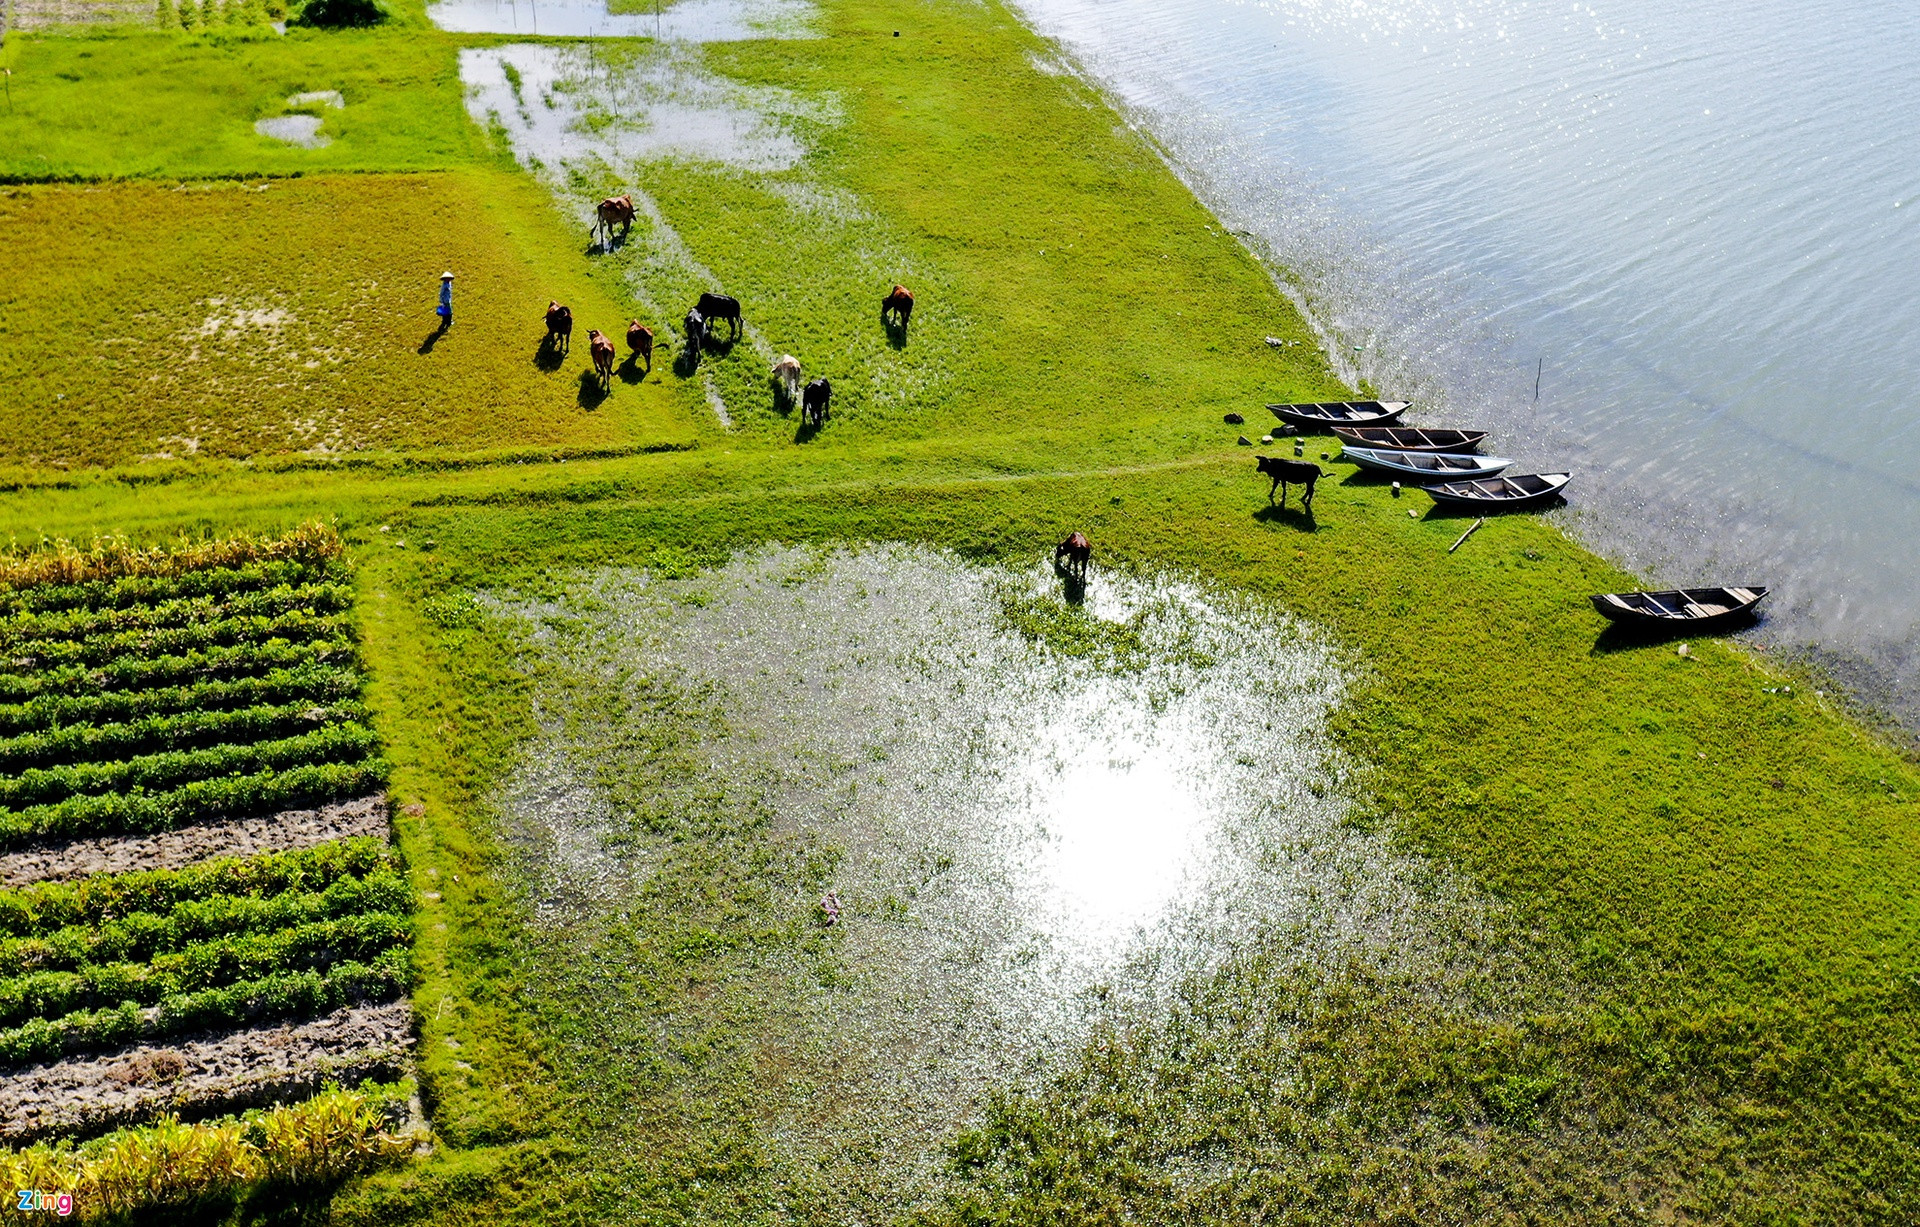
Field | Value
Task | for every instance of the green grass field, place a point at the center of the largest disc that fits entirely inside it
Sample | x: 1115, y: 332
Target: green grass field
x: 1706, y: 877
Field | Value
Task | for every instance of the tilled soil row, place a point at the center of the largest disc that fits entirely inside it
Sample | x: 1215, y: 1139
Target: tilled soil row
x: 281, y: 832
x: 203, y: 1078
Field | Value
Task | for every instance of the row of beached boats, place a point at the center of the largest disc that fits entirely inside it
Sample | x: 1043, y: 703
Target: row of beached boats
x: 1448, y: 466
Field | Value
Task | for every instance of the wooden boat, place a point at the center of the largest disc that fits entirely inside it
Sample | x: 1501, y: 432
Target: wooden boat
x: 1326, y: 414
x: 1411, y: 438
x: 1499, y: 493
x: 1426, y: 466
x: 1683, y: 608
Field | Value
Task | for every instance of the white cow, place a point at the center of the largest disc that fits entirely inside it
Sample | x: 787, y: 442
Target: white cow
x: 786, y: 373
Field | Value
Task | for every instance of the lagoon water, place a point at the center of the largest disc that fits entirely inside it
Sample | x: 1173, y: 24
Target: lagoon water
x: 1698, y: 223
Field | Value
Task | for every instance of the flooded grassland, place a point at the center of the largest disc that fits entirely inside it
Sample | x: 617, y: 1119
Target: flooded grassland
x: 1034, y: 821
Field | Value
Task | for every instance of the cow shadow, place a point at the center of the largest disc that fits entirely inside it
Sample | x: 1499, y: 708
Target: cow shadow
x: 896, y: 333
x: 631, y: 372
x: 687, y: 362
x: 782, y: 403
x: 549, y: 357
x: 1300, y: 519
x: 605, y: 245
x: 720, y: 347
x: 592, y: 392
x: 807, y: 430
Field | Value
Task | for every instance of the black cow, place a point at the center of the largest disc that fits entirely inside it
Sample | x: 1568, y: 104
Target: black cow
x: 815, y: 402
x: 1284, y: 471
x: 717, y: 307
x: 696, y: 325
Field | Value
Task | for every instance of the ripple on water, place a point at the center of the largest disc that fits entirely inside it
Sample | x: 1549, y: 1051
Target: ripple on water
x: 1026, y: 831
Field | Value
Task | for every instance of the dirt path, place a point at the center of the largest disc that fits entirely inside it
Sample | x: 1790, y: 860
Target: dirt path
x: 203, y: 1078
x: 289, y: 829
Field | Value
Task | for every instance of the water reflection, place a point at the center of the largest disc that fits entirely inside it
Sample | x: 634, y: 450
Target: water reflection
x: 694, y: 21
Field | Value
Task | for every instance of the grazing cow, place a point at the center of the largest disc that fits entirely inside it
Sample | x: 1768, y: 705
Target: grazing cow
x: 696, y: 326
x: 600, y: 347
x: 614, y: 211
x: 816, y: 402
x: 1077, y: 552
x: 718, y: 307
x: 1284, y: 471
x: 559, y: 326
x: 786, y: 377
x: 899, y: 304
x: 640, y: 341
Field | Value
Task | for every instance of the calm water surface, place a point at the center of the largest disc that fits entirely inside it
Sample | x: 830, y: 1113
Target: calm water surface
x: 1703, y: 217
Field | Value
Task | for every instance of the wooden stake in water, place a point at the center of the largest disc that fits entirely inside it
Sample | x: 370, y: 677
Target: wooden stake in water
x: 1463, y: 536
x: 1537, y: 372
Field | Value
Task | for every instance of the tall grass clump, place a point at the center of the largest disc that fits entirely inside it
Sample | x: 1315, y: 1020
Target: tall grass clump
x: 173, y: 1166
x: 62, y: 562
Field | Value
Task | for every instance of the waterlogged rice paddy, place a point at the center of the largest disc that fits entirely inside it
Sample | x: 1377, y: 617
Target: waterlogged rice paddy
x: 1035, y: 815
x: 700, y: 21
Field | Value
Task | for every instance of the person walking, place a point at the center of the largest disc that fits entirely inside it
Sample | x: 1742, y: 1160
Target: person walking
x: 445, y: 309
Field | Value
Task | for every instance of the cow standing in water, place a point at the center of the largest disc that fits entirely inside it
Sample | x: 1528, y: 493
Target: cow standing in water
x: 897, y: 307
x: 600, y: 348
x: 1072, y: 555
x: 559, y: 327
x: 640, y: 341
x: 611, y: 212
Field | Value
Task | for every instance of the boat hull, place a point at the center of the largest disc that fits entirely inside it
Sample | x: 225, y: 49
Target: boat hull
x: 1426, y: 467
x: 1680, y: 609
x: 1322, y: 416
x: 1485, y: 495
x: 1410, y: 438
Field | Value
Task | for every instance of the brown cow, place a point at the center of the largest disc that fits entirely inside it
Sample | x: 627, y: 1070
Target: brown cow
x: 899, y: 304
x: 640, y: 341
x: 614, y: 210
x: 559, y: 326
x: 1077, y: 551
x: 601, y: 349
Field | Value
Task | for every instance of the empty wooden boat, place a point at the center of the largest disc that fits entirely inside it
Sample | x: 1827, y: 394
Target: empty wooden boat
x: 1322, y: 415
x: 1425, y: 466
x: 1680, y: 609
x: 1411, y: 438
x: 1498, y: 493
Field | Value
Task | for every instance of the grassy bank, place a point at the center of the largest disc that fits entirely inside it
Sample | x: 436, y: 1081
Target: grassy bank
x: 1703, y: 876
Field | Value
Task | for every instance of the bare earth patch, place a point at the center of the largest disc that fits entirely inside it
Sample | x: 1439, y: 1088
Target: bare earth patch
x: 45, y: 14
x: 206, y: 1077
x: 287, y: 830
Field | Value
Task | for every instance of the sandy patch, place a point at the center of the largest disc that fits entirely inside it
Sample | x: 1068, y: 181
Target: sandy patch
x: 207, y: 1077
x: 285, y: 831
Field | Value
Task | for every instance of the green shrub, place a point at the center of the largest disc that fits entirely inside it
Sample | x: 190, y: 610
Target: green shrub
x: 51, y: 907
x: 137, y: 672
x: 75, y: 743
x: 313, y: 680
x: 120, y: 813
x: 172, y: 769
x: 27, y: 627
x: 339, y: 14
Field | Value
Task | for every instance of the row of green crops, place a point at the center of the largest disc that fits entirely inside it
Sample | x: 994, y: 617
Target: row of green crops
x: 141, y: 693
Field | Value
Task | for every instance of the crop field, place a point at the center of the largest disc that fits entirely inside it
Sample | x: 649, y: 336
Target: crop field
x: 160, y: 698
x: 1292, y: 869
x: 208, y: 328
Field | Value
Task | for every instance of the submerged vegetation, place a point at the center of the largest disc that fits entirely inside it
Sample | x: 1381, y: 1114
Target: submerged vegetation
x: 1684, y: 988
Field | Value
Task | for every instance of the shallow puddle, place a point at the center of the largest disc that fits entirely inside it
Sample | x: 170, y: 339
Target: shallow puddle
x: 301, y: 130
x: 1044, y: 811
x: 561, y: 104
x: 693, y: 21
